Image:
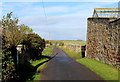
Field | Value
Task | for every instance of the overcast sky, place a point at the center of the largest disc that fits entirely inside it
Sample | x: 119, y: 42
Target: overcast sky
x: 64, y: 20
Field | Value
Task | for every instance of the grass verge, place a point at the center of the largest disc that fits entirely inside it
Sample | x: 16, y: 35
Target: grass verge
x: 105, y: 71
x: 36, y: 75
x: 71, y: 53
x: 47, y: 51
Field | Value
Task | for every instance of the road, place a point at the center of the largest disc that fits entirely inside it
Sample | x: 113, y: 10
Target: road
x: 62, y: 67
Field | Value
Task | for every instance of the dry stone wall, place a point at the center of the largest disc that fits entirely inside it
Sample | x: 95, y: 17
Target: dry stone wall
x: 103, y: 40
x: 76, y: 48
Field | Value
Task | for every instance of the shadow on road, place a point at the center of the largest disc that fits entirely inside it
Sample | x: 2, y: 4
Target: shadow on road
x: 27, y: 71
x: 49, y: 58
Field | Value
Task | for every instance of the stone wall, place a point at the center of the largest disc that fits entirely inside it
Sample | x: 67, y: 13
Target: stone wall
x: 103, y: 40
x: 76, y: 48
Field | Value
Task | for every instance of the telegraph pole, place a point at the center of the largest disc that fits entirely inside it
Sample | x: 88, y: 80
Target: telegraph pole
x: 49, y: 36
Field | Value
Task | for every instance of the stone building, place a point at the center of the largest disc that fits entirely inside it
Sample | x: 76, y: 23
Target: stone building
x: 103, y: 40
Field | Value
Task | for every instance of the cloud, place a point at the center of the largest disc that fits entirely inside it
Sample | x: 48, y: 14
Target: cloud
x: 0, y: 10
x: 57, y: 9
x: 78, y: 17
x: 59, y: 27
x: 29, y: 9
x: 22, y: 9
x: 63, y: 21
x: 72, y: 25
x: 61, y: 0
x: 61, y: 33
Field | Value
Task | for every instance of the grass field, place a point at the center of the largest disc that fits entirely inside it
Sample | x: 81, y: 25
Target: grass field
x: 36, y: 76
x: 47, y: 51
x: 105, y: 71
x: 70, y: 42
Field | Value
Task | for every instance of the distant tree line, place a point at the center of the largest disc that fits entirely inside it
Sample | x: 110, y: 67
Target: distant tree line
x: 14, y: 34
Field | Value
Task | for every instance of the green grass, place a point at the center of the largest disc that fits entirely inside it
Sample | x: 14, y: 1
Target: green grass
x: 34, y: 63
x: 106, y: 71
x: 47, y: 51
x: 36, y: 76
x: 71, y: 53
x: 71, y: 42
x: 75, y: 42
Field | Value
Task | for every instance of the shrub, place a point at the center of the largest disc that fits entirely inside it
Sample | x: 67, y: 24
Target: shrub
x: 61, y: 44
x: 34, y: 45
x: 12, y: 35
x: 8, y: 65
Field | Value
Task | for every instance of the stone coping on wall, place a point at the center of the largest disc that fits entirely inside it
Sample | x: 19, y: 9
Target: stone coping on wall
x: 106, y: 17
x: 118, y: 19
x: 110, y: 19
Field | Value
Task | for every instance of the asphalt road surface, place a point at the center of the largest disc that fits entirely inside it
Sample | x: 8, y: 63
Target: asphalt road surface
x: 62, y: 67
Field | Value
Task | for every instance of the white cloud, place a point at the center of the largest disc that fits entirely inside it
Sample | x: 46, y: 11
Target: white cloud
x: 54, y: 20
x: 0, y: 10
x: 61, y: 0
x: 61, y: 33
x: 27, y: 9
x: 75, y: 18
x: 69, y: 24
x: 64, y: 26
x: 56, y: 9
x: 60, y: 27
x: 22, y: 9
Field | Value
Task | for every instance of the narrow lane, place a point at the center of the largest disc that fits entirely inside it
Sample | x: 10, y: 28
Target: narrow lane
x: 62, y: 67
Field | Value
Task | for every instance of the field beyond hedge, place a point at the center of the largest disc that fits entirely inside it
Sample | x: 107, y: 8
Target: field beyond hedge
x: 70, y: 42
